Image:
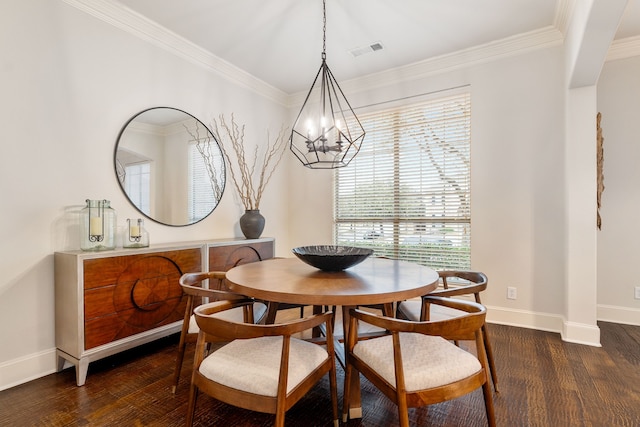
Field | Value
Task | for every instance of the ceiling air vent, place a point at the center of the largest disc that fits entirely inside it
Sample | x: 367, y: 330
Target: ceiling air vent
x: 373, y: 47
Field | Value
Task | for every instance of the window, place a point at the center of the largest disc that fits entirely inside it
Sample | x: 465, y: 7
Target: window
x: 407, y: 192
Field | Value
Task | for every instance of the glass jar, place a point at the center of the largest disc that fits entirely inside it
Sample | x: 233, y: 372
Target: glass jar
x: 135, y: 235
x: 97, y: 226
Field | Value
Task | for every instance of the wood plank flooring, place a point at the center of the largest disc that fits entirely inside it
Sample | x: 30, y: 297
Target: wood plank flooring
x: 543, y: 382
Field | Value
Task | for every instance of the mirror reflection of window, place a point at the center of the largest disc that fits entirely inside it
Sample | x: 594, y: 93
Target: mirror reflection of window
x: 135, y: 177
x: 137, y: 184
x: 201, y: 197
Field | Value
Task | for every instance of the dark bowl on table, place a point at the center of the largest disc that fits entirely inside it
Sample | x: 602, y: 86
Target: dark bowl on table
x: 331, y: 258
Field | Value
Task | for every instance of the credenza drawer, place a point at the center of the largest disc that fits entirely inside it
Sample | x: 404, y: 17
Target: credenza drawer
x: 124, y: 296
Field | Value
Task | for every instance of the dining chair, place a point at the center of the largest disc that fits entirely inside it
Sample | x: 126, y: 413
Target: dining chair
x: 453, y: 284
x: 417, y: 365
x: 192, y: 286
x: 262, y: 368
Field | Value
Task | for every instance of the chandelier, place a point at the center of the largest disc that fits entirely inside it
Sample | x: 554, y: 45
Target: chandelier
x: 326, y: 134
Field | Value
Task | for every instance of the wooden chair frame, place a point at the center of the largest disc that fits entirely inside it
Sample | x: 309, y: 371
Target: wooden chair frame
x: 476, y: 283
x: 216, y: 329
x: 191, y: 284
x: 467, y: 327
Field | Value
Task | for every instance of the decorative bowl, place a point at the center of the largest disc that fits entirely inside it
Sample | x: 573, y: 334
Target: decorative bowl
x: 331, y: 258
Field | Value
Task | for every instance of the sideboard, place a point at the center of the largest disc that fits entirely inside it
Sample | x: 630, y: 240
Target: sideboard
x: 111, y: 301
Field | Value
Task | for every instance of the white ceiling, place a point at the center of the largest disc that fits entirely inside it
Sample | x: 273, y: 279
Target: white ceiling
x: 280, y: 41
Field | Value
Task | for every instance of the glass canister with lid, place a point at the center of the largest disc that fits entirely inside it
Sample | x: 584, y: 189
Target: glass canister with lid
x: 97, y: 226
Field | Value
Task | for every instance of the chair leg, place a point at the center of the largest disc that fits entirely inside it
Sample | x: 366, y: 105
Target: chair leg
x: 403, y: 417
x: 348, y: 371
x: 403, y: 410
x: 333, y: 386
x: 191, y: 410
x: 179, y: 360
x: 280, y: 415
x: 492, y: 366
x: 488, y: 403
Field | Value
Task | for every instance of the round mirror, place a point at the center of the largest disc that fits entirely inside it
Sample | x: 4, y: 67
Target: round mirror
x: 170, y: 166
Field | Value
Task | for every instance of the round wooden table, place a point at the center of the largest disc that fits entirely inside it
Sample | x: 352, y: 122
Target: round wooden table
x: 374, y: 281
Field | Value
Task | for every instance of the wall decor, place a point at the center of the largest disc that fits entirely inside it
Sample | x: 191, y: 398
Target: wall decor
x: 170, y: 166
x: 600, y: 166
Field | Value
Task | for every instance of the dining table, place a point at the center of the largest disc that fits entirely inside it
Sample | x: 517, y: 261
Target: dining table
x: 374, y: 281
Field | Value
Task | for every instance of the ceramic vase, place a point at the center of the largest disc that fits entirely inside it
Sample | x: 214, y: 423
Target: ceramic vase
x: 252, y: 223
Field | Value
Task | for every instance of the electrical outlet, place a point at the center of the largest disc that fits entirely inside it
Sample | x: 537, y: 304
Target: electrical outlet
x: 512, y: 293
x: 637, y: 292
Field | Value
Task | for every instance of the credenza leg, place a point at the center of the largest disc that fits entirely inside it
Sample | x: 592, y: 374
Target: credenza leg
x: 81, y: 371
x: 60, y: 363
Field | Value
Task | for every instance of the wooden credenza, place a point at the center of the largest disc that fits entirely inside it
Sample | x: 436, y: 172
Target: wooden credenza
x: 111, y: 301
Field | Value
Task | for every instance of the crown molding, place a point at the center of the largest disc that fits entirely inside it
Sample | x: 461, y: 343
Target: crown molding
x: 127, y: 20
x: 507, y: 47
x: 624, y: 48
x: 562, y: 18
x: 132, y: 22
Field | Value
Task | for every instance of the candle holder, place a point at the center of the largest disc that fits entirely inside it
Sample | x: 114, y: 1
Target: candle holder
x: 97, y: 226
x: 135, y: 235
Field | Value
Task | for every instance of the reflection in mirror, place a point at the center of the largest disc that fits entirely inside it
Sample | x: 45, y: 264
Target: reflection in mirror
x: 170, y: 166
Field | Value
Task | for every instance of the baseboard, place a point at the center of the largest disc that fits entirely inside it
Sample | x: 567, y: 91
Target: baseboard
x: 617, y: 314
x: 569, y: 331
x: 581, y: 333
x: 525, y: 319
x: 24, y: 369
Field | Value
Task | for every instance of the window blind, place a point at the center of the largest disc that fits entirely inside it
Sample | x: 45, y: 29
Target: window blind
x: 407, y: 192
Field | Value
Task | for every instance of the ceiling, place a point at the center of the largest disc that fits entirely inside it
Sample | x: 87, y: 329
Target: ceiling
x: 280, y: 41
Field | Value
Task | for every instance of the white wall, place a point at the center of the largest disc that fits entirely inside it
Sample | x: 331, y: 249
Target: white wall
x: 69, y: 82
x: 618, y: 247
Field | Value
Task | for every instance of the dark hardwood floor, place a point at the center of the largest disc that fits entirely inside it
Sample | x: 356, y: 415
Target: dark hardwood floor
x: 543, y: 382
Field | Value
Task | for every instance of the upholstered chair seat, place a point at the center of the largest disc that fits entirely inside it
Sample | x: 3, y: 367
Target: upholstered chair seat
x: 253, y: 365
x: 427, y: 361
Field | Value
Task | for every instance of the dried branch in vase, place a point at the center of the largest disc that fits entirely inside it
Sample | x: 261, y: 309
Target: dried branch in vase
x: 249, y: 176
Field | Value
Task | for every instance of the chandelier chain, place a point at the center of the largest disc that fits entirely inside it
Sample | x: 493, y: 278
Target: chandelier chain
x: 324, y: 29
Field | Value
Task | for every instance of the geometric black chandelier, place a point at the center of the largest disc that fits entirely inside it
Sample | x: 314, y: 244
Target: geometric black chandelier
x: 326, y: 134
